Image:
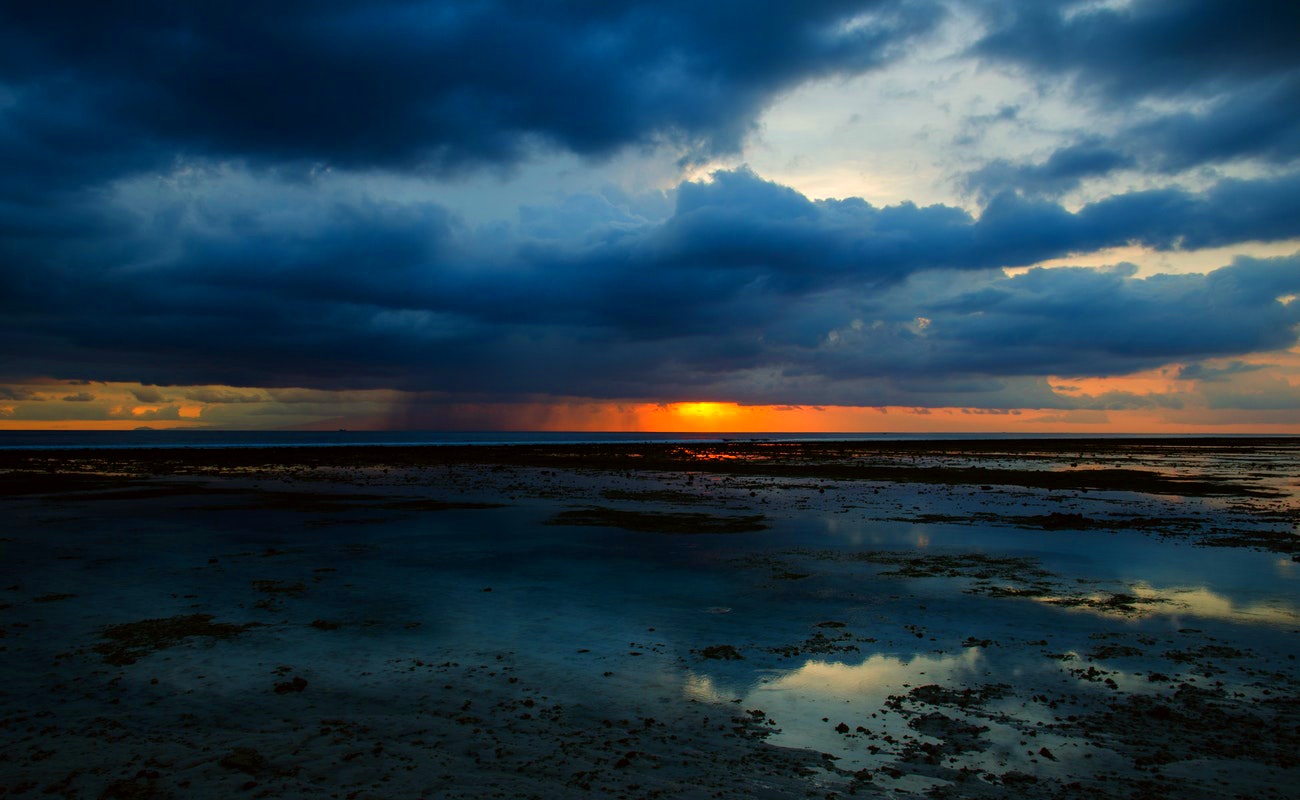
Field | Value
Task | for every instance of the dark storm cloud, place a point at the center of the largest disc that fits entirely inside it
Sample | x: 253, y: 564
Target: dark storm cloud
x: 741, y: 233
x: 1260, y: 123
x: 1079, y: 321
x: 1060, y: 173
x: 94, y: 92
x: 748, y: 289
x: 1147, y: 47
x: 1230, y: 70
x: 90, y: 90
x: 1230, y: 212
x: 960, y: 336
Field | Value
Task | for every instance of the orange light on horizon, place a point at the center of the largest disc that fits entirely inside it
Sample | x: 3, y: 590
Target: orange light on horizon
x: 118, y: 407
x: 707, y: 409
x: 90, y: 425
x: 708, y: 417
x: 709, y: 414
x: 1164, y: 380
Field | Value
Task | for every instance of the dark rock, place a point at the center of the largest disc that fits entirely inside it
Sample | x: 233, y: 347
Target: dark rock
x: 723, y: 652
x: 245, y: 760
x: 295, y: 685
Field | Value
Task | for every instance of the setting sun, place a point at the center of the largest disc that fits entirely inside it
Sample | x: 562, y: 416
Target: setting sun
x: 704, y: 410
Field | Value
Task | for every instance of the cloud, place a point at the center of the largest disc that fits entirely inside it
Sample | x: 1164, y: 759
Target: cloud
x: 1063, y: 170
x: 1204, y: 372
x: 224, y: 396
x: 1146, y: 48
x: 1246, y: 386
x: 148, y: 394
x: 1177, y: 85
x: 1230, y: 212
x: 18, y: 393
x: 163, y: 413
x: 93, y: 91
x: 1271, y: 395
x: 79, y: 397
x: 748, y: 290
x: 1258, y: 123
x: 1071, y: 321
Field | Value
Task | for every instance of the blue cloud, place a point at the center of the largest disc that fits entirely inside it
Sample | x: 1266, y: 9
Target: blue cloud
x: 1226, y: 74
x: 747, y: 289
x: 1063, y: 170
x: 1146, y: 47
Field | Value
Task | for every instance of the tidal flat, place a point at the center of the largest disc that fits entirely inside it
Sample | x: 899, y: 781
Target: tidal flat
x: 1111, y: 618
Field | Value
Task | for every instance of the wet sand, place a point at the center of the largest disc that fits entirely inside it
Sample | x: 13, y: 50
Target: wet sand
x: 1099, y: 618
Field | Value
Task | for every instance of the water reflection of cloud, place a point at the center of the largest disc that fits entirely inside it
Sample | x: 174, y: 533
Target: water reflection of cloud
x: 1201, y: 602
x: 1182, y: 601
x: 703, y: 688
x: 877, y: 677
x: 807, y: 703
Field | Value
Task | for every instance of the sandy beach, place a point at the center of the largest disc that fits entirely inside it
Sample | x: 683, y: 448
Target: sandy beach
x: 1073, y: 618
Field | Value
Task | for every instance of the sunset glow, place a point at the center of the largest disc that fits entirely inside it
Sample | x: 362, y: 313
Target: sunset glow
x: 1171, y: 407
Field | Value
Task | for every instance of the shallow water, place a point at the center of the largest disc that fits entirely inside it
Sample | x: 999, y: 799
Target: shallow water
x: 828, y: 631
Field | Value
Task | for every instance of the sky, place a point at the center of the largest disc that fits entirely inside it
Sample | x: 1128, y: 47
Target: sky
x: 831, y: 215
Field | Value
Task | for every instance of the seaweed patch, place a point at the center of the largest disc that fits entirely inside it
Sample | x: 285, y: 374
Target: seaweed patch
x: 129, y: 641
